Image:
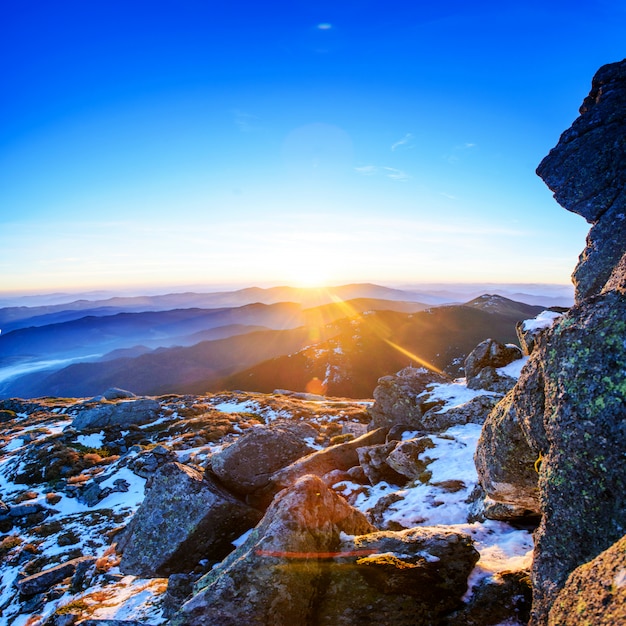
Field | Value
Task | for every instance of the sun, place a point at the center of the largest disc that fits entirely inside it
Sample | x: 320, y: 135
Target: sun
x: 310, y: 277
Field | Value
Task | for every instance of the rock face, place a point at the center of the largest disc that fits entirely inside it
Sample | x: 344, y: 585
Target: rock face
x: 315, y: 560
x: 505, y: 461
x: 248, y: 463
x: 183, y: 519
x: 595, y: 593
x: 123, y: 413
x: 586, y: 171
x: 568, y: 409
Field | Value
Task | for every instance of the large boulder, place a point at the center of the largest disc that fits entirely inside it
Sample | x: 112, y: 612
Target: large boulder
x: 183, y: 519
x: 315, y: 560
x: 123, y: 413
x: 275, y: 575
x: 400, y: 399
x: 586, y: 171
x: 595, y: 593
x: 247, y: 464
x: 406, y: 578
x: 505, y: 461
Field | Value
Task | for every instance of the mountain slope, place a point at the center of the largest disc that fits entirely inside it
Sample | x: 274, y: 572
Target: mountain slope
x: 373, y: 345
x: 167, y: 370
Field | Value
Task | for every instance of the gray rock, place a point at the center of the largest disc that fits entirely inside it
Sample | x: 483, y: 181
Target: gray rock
x: 489, y: 353
x: 582, y: 426
x: 373, y: 460
x: 606, y: 243
x: 399, y: 399
x: 123, y: 414
x: 26, y: 508
x: 504, y: 460
x: 595, y: 593
x: 183, y: 519
x: 617, y: 279
x: 275, y: 576
x: 407, y: 578
x: 247, y: 464
x: 38, y: 583
x: 410, y: 458
x: 504, y: 598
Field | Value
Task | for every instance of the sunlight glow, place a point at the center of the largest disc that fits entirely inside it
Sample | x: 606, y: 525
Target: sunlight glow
x: 383, y: 333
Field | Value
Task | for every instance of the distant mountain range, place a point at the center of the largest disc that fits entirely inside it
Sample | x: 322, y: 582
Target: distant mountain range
x: 340, y: 346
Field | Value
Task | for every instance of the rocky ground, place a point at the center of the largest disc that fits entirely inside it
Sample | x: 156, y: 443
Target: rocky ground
x: 73, y: 474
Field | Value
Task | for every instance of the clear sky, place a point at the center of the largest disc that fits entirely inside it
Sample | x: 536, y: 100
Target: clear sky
x: 204, y: 142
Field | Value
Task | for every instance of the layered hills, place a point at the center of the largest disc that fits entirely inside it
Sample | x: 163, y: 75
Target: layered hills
x: 340, y: 347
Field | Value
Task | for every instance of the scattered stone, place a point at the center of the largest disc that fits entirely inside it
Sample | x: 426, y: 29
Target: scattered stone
x: 373, y: 460
x: 474, y: 411
x: 406, y: 457
x: 342, y: 456
x: 183, y: 519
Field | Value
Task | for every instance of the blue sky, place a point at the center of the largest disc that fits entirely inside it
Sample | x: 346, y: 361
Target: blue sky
x: 186, y: 143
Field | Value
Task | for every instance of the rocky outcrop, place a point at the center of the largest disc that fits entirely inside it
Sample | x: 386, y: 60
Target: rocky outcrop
x: 587, y: 170
x: 183, y: 519
x: 568, y: 409
x: 595, y: 593
x: 399, y: 398
x: 123, y: 413
x: 313, y: 559
x: 247, y: 464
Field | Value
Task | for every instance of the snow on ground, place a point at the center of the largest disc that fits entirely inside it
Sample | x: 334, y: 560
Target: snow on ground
x: 95, y: 440
x: 454, y: 394
x: 513, y: 369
